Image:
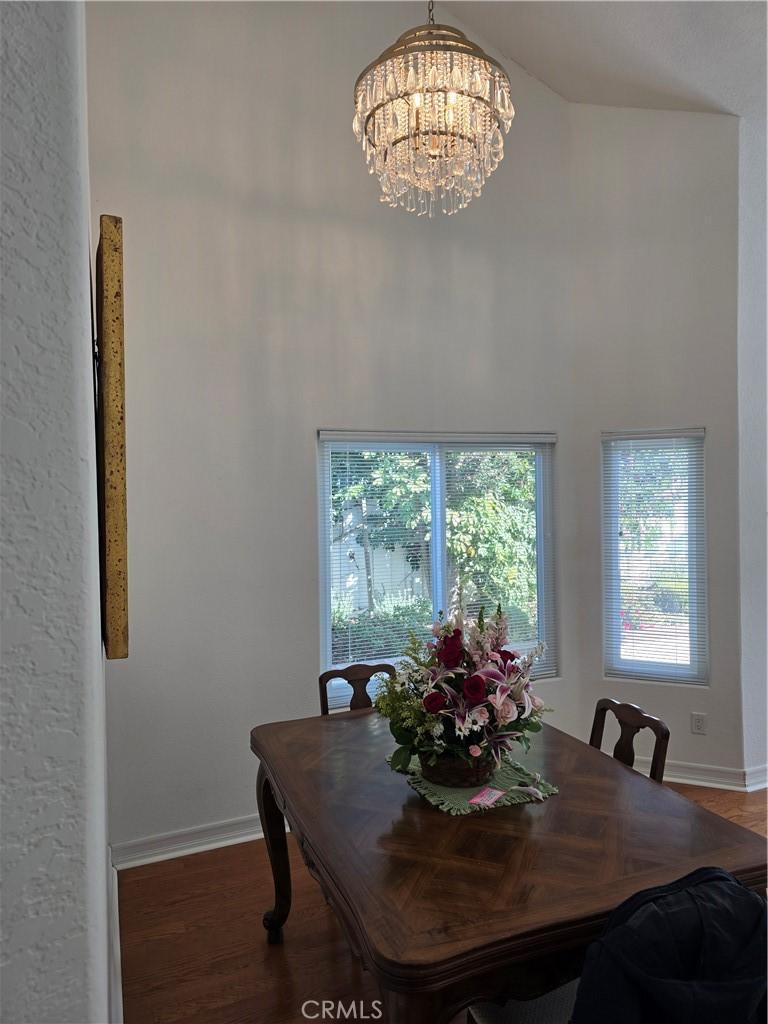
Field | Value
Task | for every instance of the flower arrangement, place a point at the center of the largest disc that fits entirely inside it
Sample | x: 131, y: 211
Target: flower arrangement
x: 463, y: 697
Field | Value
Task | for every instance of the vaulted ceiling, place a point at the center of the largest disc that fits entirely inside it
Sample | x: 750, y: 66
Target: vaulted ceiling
x: 698, y: 56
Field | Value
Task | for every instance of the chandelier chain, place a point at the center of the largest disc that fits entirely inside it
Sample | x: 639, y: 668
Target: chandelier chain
x: 431, y: 12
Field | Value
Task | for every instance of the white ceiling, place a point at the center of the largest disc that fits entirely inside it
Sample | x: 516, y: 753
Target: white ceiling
x: 705, y: 56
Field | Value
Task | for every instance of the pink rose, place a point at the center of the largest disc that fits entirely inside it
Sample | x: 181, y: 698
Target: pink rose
x: 506, y: 712
x: 480, y: 715
x: 475, y: 751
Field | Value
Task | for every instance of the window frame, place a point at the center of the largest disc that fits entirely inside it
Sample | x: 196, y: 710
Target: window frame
x: 438, y: 444
x: 697, y: 673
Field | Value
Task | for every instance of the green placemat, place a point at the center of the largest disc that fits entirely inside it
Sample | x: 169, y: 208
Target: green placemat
x: 519, y: 785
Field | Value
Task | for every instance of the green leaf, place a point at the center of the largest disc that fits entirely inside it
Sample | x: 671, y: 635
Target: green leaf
x: 534, y: 726
x: 401, y: 759
x: 403, y: 736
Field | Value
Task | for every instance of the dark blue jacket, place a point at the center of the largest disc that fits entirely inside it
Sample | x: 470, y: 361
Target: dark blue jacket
x: 692, y: 952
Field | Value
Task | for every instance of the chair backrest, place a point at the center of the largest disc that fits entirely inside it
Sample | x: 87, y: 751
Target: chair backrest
x: 358, y: 677
x: 631, y: 719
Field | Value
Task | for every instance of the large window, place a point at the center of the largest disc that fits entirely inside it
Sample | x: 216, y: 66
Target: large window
x: 654, y: 558
x: 404, y: 522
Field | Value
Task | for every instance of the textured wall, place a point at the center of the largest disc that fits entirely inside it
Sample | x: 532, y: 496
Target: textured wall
x: 54, y: 887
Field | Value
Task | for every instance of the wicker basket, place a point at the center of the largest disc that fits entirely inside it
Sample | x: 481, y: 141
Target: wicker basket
x: 453, y: 771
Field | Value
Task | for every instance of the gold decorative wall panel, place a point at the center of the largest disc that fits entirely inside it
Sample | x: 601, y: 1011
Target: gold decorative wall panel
x: 110, y: 422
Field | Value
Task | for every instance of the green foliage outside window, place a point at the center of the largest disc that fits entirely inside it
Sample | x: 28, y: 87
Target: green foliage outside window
x: 382, y: 500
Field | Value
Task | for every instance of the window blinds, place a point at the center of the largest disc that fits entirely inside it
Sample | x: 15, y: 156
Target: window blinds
x: 378, y: 548
x: 654, y: 558
x: 404, y: 522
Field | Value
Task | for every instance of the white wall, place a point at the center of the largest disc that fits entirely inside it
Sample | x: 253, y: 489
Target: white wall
x: 752, y: 422
x: 654, y: 298
x: 269, y: 294
x: 53, y: 815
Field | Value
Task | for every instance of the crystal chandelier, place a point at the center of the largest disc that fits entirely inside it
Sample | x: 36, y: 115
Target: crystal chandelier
x: 429, y: 114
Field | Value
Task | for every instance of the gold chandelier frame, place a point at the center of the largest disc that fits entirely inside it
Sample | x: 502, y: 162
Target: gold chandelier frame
x: 426, y: 38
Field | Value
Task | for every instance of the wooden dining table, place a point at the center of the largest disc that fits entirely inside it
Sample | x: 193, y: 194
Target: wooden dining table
x: 446, y: 911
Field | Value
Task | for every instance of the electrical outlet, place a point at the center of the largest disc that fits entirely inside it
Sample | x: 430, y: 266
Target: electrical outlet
x: 698, y: 723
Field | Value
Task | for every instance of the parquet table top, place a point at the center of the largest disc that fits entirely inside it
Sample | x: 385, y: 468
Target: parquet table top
x: 425, y: 895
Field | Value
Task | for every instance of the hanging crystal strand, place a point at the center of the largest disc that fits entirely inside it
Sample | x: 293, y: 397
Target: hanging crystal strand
x: 392, y: 89
x: 450, y: 109
x: 456, y: 77
x: 411, y: 81
x: 496, y: 145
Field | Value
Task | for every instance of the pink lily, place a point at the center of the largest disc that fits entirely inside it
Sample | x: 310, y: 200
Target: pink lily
x: 462, y: 721
x: 501, y: 742
x: 521, y: 696
x: 439, y: 677
x: 491, y: 673
x: 497, y: 699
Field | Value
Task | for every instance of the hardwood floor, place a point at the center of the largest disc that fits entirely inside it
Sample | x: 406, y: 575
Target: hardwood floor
x: 746, y: 809
x: 194, y: 950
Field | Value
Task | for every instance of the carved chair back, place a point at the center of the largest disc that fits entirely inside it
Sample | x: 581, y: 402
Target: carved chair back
x: 631, y: 719
x: 358, y: 677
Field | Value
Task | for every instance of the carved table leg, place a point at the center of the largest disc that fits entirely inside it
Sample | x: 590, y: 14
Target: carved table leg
x: 273, y: 824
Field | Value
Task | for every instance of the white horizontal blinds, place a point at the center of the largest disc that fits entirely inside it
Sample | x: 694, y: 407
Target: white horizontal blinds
x: 496, y: 537
x: 402, y: 521
x: 654, y: 558
x: 377, y: 510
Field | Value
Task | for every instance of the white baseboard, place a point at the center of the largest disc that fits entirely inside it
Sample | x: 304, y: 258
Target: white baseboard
x: 242, y: 830
x: 744, y: 780
x: 189, y: 840
x: 115, y: 967
x: 756, y: 778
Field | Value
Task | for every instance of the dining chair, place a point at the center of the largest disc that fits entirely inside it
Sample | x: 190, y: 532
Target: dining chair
x: 358, y: 677
x: 631, y: 719
x: 553, y: 1008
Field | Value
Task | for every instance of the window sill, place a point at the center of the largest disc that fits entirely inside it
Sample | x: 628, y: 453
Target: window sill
x: 653, y: 681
